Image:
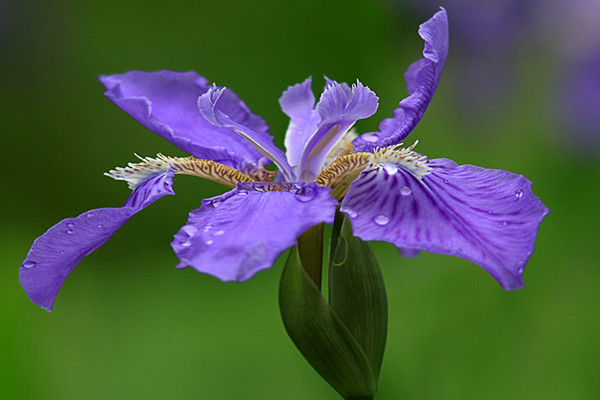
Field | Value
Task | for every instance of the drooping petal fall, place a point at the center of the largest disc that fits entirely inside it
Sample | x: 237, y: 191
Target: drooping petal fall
x: 57, y: 252
x: 242, y: 232
x: 487, y: 216
x: 422, y: 79
x: 166, y: 103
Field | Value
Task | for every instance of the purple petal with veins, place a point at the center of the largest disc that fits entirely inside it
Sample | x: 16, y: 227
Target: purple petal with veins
x: 242, y: 232
x: 57, y: 252
x: 339, y: 108
x: 166, y: 103
x: 298, y: 103
x: 487, y: 216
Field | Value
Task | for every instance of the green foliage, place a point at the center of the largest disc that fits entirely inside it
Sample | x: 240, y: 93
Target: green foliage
x: 344, y: 339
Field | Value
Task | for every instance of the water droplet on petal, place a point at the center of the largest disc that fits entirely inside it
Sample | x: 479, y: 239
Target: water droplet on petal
x: 351, y: 213
x: 99, y: 226
x: 28, y: 264
x: 521, y: 267
x: 216, y: 203
x: 207, y: 228
x: 62, y: 252
x: 209, y: 242
x: 306, y: 194
x: 519, y: 194
x: 185, y: 243
x: 243, y: 194
x: 69, y: 232
x: 504, y: 223
x: 381, y: 220
x: 391, y: 169
x: 219, y: 232
x: 405, y: 191
x: 189, y: 229
x: 445, y: 180
x: 70, y: 225
x: 370, y: 137
x: 89, y: 215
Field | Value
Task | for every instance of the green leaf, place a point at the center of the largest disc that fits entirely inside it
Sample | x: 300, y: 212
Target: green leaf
x: 321, y: 336
x: 357, y: 291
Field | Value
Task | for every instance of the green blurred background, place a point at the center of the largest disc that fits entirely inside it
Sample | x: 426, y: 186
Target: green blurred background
x: 128, y: 325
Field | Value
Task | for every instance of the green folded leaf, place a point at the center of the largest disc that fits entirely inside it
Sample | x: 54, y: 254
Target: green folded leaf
x: 321, y: 336
x: 357, y: 291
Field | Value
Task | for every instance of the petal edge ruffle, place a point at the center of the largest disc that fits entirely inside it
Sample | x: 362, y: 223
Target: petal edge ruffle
x: 422, y: 78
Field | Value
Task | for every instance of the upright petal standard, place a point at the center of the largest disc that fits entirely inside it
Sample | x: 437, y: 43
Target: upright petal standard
x: 389, y: 193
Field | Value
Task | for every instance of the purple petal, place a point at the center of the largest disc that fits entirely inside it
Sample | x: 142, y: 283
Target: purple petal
x: 166, y: 103
x: 487, y: 216
x: 339, y: 108
x: 298, y: 103
x: 242, y: 232
x: 422, y: 78
x: 215, y: 106
x: 55, y: 254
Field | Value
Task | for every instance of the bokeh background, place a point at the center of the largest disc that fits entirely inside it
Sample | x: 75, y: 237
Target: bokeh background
x: 519, y: 92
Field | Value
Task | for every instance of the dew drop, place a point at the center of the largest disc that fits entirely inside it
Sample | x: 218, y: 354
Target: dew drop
x: 351, y: 213
x: 189, y: 229
x: 243, y: 194
x: 69, y: 232
x: 185, y: 243
x: 341, y: 251
x: 381, y: 220
x: 99, y: 226
x: 504, y: 223
x: 29, y: 264
x: 207, y: 228
x: 70, y: 225
x: 209, y: 242
x: 306, y: 195
x: 405, y: 191
x: 89, y: 215
x: 521, y: 267
x: 445, y: 180
x: 62, y: 252
x: 390, y: 169
x: 216, y: 203
x: 519, y: 193
x: 370, y: 137
x: 219, y: 232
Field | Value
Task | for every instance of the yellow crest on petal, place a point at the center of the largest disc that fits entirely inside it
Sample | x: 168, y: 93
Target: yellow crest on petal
x: 340, y: 173
x: 135, y: 173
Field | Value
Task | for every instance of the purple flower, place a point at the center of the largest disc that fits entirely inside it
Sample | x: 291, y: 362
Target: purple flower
x: 389, y: 193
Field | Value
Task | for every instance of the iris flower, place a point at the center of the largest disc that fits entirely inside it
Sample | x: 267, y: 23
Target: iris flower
x: 389, y: 192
